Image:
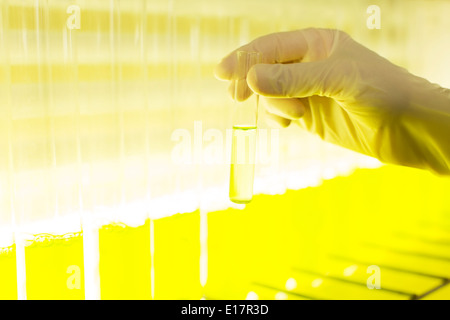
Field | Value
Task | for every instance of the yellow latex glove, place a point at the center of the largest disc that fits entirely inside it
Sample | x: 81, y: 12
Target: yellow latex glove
x: 350, y: 96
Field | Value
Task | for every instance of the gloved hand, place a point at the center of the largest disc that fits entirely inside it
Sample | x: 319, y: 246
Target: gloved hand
x: 333, y: 86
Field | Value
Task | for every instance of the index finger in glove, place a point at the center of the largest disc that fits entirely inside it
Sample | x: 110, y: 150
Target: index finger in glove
x: 281, y: 47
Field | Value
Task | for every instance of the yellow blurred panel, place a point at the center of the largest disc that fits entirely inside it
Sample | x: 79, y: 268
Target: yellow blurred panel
x: 93, y: 20
x: 267, y: 293
x: 323, y: 223
x: 248, y: 245
x: 399, y: 260
x: 414, y: 246
x: 55, y: 267
x: 8, y: 275
x: 325, y: 288
x: 393, y: 280
x: 375, y: 217
x: 440, y: 294
x: 125, y: 263
x: 229, y: 259
x: 23, y: 74
x: 177, y: 257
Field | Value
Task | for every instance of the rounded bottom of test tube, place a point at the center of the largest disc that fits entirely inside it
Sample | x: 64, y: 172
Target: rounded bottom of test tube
x: 241, y: 201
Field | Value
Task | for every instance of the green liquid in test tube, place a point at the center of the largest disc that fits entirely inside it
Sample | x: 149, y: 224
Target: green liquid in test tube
x: 245, y: 120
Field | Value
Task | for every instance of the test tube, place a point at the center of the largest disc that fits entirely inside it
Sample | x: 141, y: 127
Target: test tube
x: 245, y: 120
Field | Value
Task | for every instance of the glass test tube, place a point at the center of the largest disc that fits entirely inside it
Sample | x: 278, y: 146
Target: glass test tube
x: 245, y: 120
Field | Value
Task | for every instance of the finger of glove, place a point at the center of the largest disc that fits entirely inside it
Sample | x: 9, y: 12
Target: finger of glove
x: 289, y: 108
x: 298, y: 80
x: 281, y: 47
x: 276, y: 121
